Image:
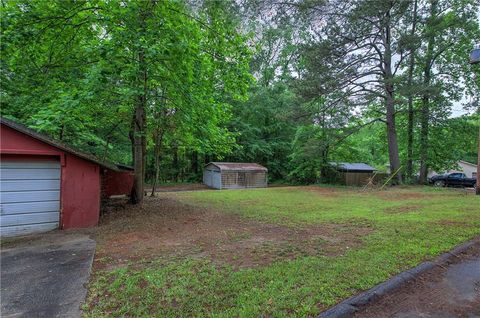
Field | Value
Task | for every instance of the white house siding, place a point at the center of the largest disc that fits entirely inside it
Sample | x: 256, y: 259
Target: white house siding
x: 468, y: 168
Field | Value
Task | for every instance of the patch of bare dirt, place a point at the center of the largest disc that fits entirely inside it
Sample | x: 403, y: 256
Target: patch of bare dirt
x: 179, y: 187
x: 167, y: 227
x: 321, y: 190
x: 401, y: 209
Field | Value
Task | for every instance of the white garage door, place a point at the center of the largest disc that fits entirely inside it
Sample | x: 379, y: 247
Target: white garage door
x: 29, y: 197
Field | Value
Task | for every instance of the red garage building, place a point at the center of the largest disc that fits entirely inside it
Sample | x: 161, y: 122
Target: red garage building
x: 46, y: 185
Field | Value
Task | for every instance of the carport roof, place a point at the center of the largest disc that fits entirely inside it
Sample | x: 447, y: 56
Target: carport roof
x: 238, y: 166
x: 52, y: 142
x: 357, y: 166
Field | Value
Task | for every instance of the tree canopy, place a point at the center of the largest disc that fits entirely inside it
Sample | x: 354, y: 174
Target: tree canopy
x: 167, y: 86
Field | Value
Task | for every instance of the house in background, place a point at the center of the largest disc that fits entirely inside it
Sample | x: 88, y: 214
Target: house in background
x: 469, y: 169
x: 231, y: 175
x: 45, y: 185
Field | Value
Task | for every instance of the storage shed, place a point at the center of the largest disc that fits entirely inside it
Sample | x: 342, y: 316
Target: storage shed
x: 230, y: 175
x: 46, y: 185
x: 353, y: 174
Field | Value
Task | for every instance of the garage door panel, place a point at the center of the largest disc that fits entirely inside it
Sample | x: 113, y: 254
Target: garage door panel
x: 29, y: 207
x: 30, y: 164
x: 27, y: 229
x: 29, y: 185
x: 29, y: 218
x: 29, y: 196
x: 29, y: 174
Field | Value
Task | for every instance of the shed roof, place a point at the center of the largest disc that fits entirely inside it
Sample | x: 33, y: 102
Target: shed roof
x: 52, y: 142
x: 237, y: 166
x: 356, y: 166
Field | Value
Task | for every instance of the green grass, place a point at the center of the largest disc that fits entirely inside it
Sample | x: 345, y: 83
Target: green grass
x: 425, y: 222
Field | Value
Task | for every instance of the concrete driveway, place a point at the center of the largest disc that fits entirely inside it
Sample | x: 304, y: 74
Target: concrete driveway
x: 45, y: 276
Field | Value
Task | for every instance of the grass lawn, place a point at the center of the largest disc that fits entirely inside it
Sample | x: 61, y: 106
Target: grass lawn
x: 278, y: 252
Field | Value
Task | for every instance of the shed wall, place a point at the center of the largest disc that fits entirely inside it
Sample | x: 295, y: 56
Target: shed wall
x: 360, y: 178
x: 212, y: 178
x: 357, y: 178
x: 243, y: 179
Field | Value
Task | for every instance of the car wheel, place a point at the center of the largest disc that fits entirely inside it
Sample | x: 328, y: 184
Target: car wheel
x: 439, y: 183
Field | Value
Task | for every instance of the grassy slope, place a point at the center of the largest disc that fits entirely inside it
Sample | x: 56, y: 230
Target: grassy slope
x: 303, y: 287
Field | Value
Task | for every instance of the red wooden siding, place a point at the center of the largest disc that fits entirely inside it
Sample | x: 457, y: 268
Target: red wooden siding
x: 117, y: 182
x: 80, y: 178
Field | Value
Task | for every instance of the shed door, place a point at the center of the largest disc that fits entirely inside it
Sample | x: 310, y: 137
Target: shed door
x: 29, y: 196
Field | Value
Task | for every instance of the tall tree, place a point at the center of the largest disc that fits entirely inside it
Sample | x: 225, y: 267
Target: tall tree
x: 412, y: 43
x: 91, y: 59
x: 359, y: 46
x: 448, y: 31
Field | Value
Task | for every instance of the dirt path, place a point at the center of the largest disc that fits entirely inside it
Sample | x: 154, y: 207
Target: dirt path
x: 452, y: 290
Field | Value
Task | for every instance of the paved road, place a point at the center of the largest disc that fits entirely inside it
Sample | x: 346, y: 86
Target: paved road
x: 448, y: 291
x: 46, y: 277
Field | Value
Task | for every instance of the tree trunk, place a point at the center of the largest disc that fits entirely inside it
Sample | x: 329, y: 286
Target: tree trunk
x: 478, y: 164
x: 424, y: 119
x: 409, y: 168
x: 425, y: 110
x: 156, y: 152
x: 393, y: 154
x: 175, y: 163
x: 411, y: 66
x: 139, y: 137
x: 195, y: 162
x: 131, y: 133
x: 325, y: 165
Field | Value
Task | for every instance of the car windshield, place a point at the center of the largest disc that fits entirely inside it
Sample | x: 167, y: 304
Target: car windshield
x: 456, y: 175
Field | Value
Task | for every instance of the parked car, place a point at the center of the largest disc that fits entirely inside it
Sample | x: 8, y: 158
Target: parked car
x: 456, y: 179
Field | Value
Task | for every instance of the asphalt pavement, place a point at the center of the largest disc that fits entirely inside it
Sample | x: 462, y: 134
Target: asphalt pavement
x: 46, y: 277
x: 449, y: 290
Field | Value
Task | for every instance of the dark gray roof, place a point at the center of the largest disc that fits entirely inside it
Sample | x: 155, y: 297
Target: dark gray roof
x: 52, y: 142
x: 237, y: 166
x: 357, y: 166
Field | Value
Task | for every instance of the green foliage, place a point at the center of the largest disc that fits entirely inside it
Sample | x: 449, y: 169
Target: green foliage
x: 252, y: 81
x: 71, y: 69
x: 264, y: 131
